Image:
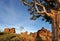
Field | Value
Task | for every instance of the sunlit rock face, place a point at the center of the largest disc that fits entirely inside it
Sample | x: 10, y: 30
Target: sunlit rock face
x: 12, y: 30
x: 45, y: 34
x: 9, y: 30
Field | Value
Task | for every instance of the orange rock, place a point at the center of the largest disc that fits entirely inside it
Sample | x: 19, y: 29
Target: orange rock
x: 45, y: 34
x: 12, y: 30
x: 9, y: 30
x: 6, y: 30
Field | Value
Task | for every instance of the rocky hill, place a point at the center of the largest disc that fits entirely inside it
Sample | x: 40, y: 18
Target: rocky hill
x: 41, y: 35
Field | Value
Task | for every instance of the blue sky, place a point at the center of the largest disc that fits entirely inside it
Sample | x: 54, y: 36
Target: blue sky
x: 14, y: 14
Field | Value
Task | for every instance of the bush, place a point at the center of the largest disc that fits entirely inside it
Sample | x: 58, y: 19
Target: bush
x: 15, y: 39
x: 38, y: 39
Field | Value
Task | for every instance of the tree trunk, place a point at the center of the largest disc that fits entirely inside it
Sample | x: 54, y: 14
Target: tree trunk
x: 55, y: 26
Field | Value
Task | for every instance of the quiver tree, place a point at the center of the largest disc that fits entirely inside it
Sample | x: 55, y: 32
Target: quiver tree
x: 49, y: 10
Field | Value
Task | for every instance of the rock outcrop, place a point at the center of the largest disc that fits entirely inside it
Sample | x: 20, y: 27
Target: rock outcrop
x: 12, y: 30
x: 9, y: 30
x: 44, y: 34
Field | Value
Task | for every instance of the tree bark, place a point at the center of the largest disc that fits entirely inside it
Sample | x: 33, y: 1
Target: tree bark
x: 55, y: 26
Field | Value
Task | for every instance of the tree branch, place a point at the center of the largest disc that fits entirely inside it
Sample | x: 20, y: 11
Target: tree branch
x: 37, y: 10
x: 44, y: 10
x: 26, y: 3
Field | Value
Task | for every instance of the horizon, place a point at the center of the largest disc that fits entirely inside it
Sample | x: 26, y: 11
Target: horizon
x: 14, y: 14
x: 23, y: 32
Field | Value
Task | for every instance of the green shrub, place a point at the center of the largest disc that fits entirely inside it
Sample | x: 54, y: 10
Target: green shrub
x: 15, y: 39
x: 38, y: 39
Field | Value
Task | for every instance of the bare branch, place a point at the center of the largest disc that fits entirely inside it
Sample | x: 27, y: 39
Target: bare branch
x: 37, y: 9
x: 44, y: 10
x: 26, y: 3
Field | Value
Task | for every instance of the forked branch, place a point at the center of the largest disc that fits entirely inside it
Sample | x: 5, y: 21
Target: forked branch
x: 37, y: 9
